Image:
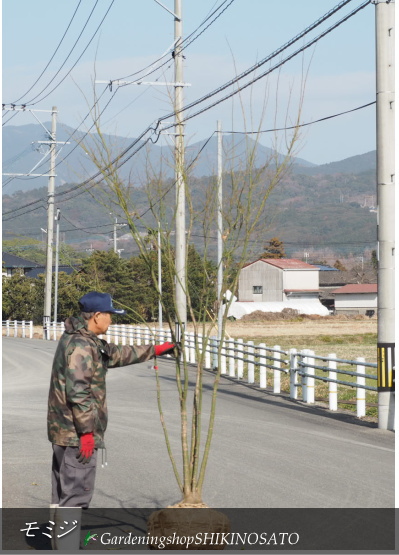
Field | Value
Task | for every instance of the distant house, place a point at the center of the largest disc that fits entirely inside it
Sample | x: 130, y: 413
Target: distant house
x: 278, y: 279
x: 330, y: 281
x: 273, y: 284
x: 13, y: 264
x: 16, y: 265
x: 356, y: 298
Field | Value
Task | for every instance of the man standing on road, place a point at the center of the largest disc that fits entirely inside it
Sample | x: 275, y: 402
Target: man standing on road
x: 77, y: 407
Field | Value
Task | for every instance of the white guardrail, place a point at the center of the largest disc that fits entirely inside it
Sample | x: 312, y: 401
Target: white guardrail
x: 241, y: 361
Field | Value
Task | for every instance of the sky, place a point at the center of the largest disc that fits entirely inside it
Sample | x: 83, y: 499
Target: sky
x: 334, y: 76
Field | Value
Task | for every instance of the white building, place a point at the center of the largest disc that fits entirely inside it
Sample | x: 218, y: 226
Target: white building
x: 356, y: 298
x: 272, y: 284
x: 278, y: 279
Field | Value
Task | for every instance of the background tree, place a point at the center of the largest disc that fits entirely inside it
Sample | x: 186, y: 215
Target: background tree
x: 23, y: 298
x: 274, y: 249
x: 339, y: 266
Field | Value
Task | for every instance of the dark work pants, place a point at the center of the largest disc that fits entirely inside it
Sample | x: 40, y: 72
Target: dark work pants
x: 72, y: 481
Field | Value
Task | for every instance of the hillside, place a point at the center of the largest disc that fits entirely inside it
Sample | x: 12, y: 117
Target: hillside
x: 304, y: 211
x: 20, y: 155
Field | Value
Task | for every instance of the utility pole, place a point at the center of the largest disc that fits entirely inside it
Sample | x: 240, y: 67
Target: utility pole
x: 181, y: 300
x: 50, y: 227
x: 385, y: 84
x: 220, y: 229
x: 57, y: 258
x: 160, y: 277
x: 115, y: 238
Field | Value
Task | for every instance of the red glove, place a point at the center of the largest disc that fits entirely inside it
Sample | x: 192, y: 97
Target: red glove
x: 86, y: 447
x: 164, y: 349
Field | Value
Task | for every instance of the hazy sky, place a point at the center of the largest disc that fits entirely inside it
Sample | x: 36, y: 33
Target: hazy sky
x: 339, y: 72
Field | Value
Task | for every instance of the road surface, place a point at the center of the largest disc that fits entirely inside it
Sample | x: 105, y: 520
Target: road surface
x: 267, y: 451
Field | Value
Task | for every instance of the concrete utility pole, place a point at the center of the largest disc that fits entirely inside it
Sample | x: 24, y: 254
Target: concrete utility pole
x: 57, y: 258
x: 385, y: 68
x: 220, y: 228
x: 50, y: 227
x: 181, y: 300
x: 160, y: 278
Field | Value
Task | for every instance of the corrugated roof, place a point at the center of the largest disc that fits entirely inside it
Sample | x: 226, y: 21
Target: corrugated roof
x: 356, y: 288
x: 289, y: 263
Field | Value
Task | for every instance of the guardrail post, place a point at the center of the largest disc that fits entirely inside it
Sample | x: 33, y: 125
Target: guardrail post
x: 360, y: 392
x: 54, y: 331
x: 108, y: 335
x: 15, y: 328
x: 8, y: 328
x: 223, y: 357
x: 131, y: 335
x: 207, y: 346
x: 310, y: 380
x: 262, y: 369
x: 332, y: 386
x: 23, y: 328
x: 192, y: 348
x: 304, y: 379
x: 240, y: 362
x: 293, y: 374
x: 277, y: 373
x: 31, y: 330
x: 123, y: 333
x: 250, y: 358
x: 232, y: 362
x: 214, y: 353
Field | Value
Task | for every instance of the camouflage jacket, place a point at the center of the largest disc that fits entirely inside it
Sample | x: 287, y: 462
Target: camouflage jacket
x: 77, y: 398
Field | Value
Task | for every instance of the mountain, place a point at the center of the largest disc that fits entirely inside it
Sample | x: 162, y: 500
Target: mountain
x: 21, y: 153
x: 354, y: 164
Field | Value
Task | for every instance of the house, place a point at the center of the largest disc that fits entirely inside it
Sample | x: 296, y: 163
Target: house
x: 272, y: 284
x: 356, y: 298
x: 278, y: 279
x: 13, y: 264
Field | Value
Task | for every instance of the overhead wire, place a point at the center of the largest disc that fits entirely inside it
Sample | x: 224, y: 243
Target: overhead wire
x: 119, y: 161
x: 182, y: 44
x: 302, y: 124
x: 30, y: 102
x: 52, y: 57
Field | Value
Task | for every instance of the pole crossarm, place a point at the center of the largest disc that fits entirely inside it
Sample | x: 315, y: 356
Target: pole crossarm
x: 151, y: 83
x: 177, y: 17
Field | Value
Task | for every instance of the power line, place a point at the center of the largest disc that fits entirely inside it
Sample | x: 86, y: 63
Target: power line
x: 118, y: 160
x: 303, y: 124
x: 52, y: 57
x: 30, y: 102
x: 183, y: 45
x: 257, y: 78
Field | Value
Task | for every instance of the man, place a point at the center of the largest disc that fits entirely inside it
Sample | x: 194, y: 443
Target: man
x: 77, y: 407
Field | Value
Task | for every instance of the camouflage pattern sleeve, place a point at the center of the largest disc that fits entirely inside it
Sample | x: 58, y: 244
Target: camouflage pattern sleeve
x: 78, y: 388
x: 122, y: 355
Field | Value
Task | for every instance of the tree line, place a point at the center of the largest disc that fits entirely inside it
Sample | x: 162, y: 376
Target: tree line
x: 128, y: 281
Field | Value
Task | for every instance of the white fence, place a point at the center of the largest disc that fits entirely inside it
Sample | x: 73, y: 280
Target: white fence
x: 260, y: 365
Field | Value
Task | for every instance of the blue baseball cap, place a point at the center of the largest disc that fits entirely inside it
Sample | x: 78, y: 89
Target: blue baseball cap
x: 98, y: 302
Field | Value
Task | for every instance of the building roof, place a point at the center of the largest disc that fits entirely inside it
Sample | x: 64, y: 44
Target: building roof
x: 324, y: 268
x: 13, y: 261
x: 356, y: 288
x: 288, y: 263
x: 35, y: 272
x: 301, y: 290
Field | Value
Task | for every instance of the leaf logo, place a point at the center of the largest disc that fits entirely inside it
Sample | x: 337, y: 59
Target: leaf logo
x: 89, y: 536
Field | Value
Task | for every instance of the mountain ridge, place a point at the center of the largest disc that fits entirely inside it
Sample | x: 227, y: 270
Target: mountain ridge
x: 19, y: 156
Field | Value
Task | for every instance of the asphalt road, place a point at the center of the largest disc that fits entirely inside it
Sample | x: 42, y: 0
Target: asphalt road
x: 267, y: 451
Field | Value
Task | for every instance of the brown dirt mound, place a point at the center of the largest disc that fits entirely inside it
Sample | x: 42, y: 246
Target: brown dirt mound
x: 292, y: 314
